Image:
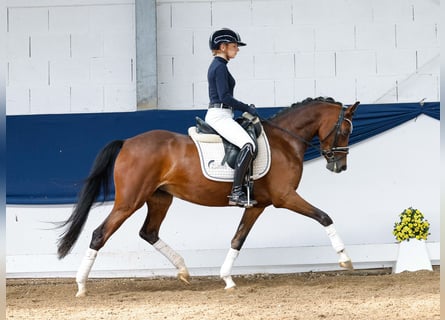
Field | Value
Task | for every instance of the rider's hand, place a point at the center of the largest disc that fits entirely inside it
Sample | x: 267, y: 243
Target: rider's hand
x: 252, y: 110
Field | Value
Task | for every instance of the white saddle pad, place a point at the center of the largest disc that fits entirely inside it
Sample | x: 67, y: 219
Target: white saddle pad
x: 211, y: 153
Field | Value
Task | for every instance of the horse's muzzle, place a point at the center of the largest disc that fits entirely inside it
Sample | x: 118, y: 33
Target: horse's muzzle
x: 336, y: 166
x: 336, y: 158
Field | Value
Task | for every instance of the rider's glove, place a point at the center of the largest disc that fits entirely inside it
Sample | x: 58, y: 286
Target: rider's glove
x: 252, y: 110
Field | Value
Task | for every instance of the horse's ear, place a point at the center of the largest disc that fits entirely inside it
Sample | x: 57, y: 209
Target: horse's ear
x: 350, y: 111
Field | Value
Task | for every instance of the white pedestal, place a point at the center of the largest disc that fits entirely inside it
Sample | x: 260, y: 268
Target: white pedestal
x: 412, y: 256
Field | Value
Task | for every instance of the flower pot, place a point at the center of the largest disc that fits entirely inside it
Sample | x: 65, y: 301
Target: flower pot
x: 412, y: 256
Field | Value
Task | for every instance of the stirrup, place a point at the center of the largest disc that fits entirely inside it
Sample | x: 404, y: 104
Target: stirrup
x: 241, y: 200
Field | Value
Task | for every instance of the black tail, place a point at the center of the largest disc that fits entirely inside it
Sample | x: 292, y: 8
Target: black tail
x: 97, y: 180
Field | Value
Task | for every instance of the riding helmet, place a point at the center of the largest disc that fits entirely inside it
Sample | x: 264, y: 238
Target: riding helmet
x: 224, y: 36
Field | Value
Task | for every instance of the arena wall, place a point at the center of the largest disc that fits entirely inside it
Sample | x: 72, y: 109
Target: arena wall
x: 383, y: 178
x: 78, y: 56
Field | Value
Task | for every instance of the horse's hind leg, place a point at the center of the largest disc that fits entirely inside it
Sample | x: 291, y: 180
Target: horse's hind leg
x: 114, y: 220
x: 157, y: 210
x: 247, y: 221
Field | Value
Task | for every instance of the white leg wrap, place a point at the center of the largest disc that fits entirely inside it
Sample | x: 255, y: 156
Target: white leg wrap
x: 343, y: 256
x: 336, y: 241
x: 84, y: 271
x: 170, y: 254
x: 226, y: 268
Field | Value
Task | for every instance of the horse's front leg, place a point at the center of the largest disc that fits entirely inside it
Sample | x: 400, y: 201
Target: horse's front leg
x: 294, y: 202
x: 344, y: 260
x: 247, y: 221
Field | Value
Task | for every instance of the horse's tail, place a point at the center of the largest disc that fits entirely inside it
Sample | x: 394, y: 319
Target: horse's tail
x: 98, y: 179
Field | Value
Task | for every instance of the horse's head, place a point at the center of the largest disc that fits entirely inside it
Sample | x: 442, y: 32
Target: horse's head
x: 334, y: 138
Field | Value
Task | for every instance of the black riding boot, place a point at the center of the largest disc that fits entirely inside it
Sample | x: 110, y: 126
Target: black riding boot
x: 243, y: 160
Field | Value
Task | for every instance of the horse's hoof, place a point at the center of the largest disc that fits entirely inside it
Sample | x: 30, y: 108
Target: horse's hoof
x: 184, y: 277
x: 230, y: 285
x: 347, y: 265
x: 81, y: 294
x: 230, y: 289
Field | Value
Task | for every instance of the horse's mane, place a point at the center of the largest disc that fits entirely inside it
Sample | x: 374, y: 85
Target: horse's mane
x: 304, y: 103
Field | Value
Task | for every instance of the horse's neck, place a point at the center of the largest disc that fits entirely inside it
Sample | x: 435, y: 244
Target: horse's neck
x: 301, y: 123
x: 291, y: 135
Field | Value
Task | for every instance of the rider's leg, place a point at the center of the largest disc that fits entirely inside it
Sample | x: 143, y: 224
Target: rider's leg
x: 222, y: 121
x: 243, y: 161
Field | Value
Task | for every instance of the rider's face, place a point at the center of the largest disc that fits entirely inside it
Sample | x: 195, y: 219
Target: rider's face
x: 230, y: 50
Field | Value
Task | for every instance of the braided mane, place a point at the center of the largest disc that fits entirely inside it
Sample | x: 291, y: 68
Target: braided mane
x: 306, y: 102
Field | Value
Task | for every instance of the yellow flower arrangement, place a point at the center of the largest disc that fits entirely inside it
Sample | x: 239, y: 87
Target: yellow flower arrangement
x: 412, y: 225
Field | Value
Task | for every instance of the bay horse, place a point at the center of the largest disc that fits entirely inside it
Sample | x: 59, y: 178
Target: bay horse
x: 153, y: 167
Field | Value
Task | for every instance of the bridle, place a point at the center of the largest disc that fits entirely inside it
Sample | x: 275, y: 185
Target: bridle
x: 328, y: 153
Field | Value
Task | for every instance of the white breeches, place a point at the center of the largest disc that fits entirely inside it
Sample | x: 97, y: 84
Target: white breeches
x: 222, y: 121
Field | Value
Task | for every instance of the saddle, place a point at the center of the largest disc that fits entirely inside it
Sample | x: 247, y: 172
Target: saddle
x: 251, y: 124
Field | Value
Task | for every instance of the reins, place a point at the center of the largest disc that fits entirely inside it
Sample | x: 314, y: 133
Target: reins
x: 296, y: 136
x: 329, y: 153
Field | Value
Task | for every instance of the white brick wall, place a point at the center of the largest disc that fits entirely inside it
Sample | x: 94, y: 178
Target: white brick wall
x: 27, y: 20
x: 18, y: 46
x: 293, y: 39
x: 70, y: 71
x: 172, y: 95
x: 284, y: 92
x: 225, y: 13
x: 380, y: 89
x: 191, y: 15
x: 274, y: 66
x: 355, y: 63
x: 396, y: 62
x: 370, y: 36
x: 417, y: 35
x: 272, y: 13
x: 27, y: 72
x: 398, y: 11
x: 70, y: 56
x: 50, y: 99
x: 303, y: 88
x: 68, y: 20
x: 344, y: 88
x: 372, y: 51
x: 259, y: 90
x: 18, y: 99
x: 334, y: 37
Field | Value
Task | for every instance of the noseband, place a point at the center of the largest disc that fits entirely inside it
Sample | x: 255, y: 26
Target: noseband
x: 328, y: 153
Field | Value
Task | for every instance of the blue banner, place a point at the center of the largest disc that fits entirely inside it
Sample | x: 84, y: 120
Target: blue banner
x: 48, y: 156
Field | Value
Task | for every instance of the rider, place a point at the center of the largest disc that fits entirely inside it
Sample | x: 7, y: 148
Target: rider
x: 225, y: 44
